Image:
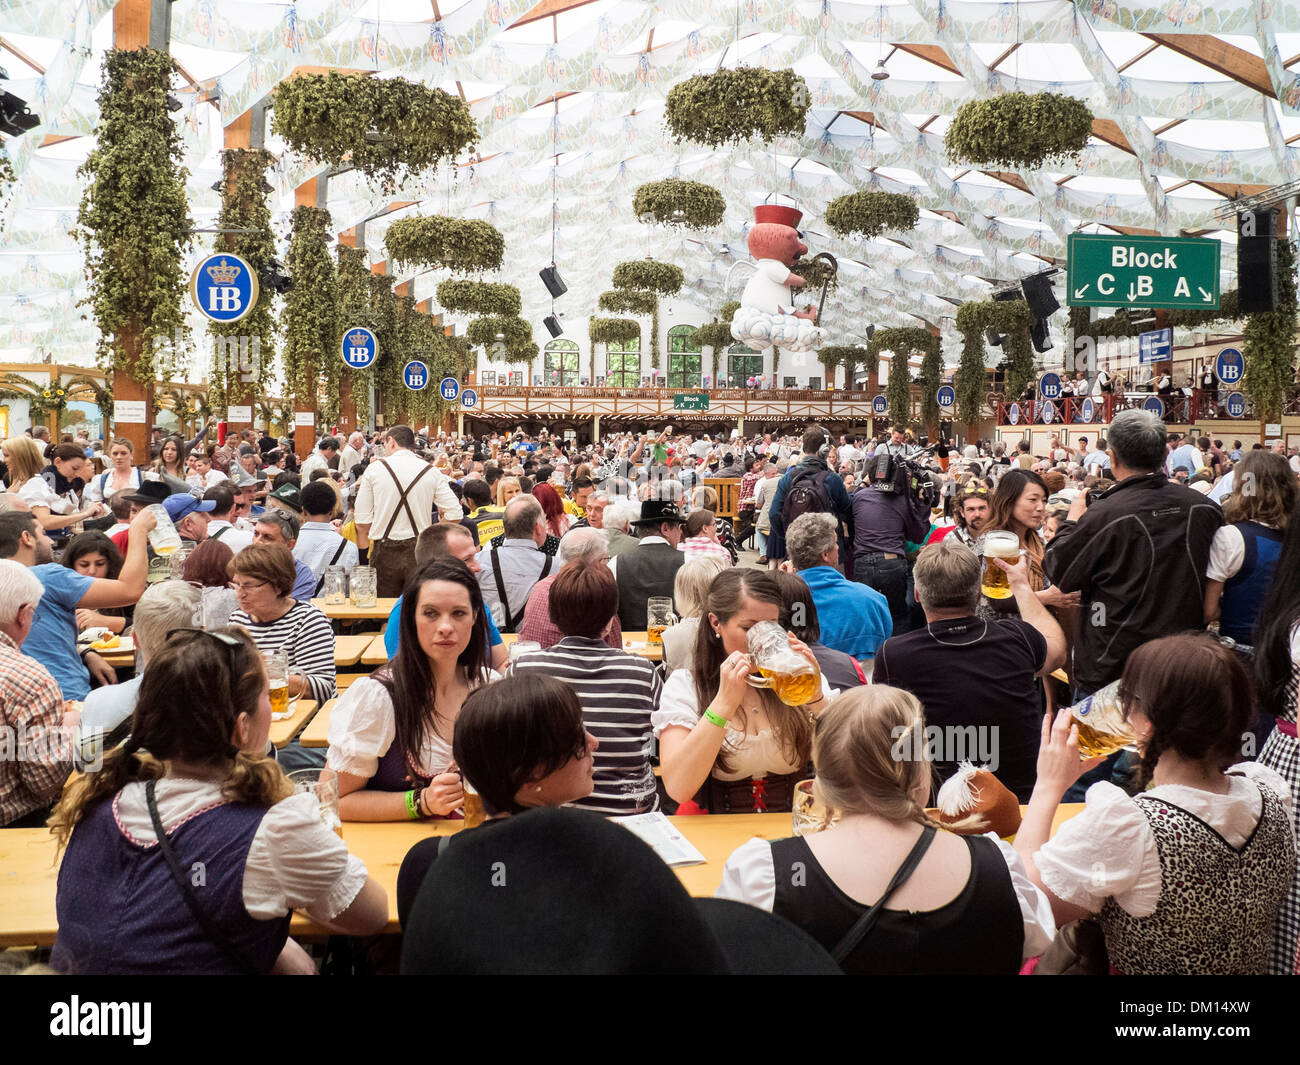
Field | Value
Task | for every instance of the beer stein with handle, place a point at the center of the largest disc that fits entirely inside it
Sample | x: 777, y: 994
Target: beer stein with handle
x: 998, y: 543
x: 794, y: 679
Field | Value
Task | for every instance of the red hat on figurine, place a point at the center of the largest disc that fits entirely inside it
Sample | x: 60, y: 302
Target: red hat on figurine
x: 778, y: 213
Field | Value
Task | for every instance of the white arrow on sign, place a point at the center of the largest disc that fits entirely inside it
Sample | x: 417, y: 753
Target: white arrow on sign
x: 1206, y: 296
x: 1078, y: 292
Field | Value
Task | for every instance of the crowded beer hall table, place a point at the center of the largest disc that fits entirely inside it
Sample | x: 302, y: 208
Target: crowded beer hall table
x: 284, y: 730
x: 349, y: 611
x: 29, y: 869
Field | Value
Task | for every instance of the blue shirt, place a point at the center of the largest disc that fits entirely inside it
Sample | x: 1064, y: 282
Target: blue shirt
x: 304, y: 584
x: 1184, y: 455
x: 853, y: 618
x: 53, y: 639
x: 393, y: 634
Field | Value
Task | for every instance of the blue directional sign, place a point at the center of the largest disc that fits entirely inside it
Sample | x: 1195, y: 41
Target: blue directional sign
x: 415, y: 375
x: 360, y: 347
x: 880, y: 405
x: 946, y: 396
x: 1155, y: 405
x: 449, y: 388
x: 469, y: 399
x: 1048, y: 411
x: 1087, y: 410
x: 1156, y: 346
x: 1049, y: 386
x: 1013, y: 414
x: 1235, y: 405
x: 1228, y: 366
x: 224, y: 288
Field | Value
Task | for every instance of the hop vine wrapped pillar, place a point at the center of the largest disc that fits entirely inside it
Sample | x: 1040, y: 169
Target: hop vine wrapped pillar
x: 310, y: 326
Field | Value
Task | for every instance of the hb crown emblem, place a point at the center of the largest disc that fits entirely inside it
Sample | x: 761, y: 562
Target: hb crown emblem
x: 224, y: 273
x: 357, y: 339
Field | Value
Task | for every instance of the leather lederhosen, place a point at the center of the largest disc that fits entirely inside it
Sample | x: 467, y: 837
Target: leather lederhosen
x: 394, y: 560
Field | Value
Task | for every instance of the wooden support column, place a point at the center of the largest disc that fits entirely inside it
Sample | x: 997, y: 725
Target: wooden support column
x: 137, y: 24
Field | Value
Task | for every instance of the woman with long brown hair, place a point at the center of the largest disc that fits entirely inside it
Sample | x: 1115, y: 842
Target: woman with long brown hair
x: 741, y: 745
x: 390, y: 735
x: 966, y: 908
x: 171, y: 461
x: 1019, y: 505
x: 192, y: 789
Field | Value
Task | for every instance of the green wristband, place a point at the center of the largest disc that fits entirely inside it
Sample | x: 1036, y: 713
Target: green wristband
x: 412, y: 811
x: 715, y: 719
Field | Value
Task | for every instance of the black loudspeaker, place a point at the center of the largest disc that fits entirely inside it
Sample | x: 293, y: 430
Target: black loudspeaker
x: 1256, y: 261
x: 553, y: 281
x: 1039, y: 295
x: 994, y: 339
x: 552, y: 325
x: 1040, y: 335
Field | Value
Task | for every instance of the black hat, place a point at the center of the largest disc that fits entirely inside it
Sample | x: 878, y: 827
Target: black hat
x: 658, y: 511
x: 568, y: 891
x: 150, y: 492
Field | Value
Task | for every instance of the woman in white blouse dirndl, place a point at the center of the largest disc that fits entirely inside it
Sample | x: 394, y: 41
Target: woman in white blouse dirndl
x: 390, y: 735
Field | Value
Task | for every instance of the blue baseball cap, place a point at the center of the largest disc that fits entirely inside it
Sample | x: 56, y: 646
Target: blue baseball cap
x: 183, y: 504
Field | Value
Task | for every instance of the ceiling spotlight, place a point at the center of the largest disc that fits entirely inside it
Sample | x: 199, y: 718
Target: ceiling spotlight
x: 173, y: 104
x: 267, y: 186
x: 880, y: 73
x: 15, y: 117
x: 218, y: 186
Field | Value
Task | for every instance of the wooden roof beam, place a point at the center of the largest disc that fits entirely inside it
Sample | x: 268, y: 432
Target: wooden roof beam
x: 547, y: 8
x: 1221, y: 57
x: 931, y: 53
x: 1106, y: 130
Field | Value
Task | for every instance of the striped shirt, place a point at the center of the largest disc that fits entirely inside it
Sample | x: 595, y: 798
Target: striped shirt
x: 306, y: 634
x: 618, y: 692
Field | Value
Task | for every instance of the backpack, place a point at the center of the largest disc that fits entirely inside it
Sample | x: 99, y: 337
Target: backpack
x: 807, y: 494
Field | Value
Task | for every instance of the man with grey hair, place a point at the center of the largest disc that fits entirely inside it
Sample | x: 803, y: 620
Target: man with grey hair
x: 352, y: 453
x: 509, y: 572
x: 854, y: 618
x: 617, y: 519
x: 278, y: 526
x: 106, y: 712
x: 976, y: 679
x: 1137, y: 555
x: 34, y: 763
x: 579, y: 546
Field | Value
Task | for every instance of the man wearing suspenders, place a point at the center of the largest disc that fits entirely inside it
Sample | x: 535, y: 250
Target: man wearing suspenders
x: 396, y: 496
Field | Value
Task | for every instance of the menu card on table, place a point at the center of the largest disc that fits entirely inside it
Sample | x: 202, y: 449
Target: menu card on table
x: 656, y: 830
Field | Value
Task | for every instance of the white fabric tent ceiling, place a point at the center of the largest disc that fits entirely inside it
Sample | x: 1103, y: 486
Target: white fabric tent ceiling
x: 1192, y: 102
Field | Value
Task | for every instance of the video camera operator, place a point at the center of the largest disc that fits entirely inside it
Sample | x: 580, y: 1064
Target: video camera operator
x: 892, y: 508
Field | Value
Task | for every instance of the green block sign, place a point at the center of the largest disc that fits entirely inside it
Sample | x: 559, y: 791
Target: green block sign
x: 691, y: 401
x: 1164, y: 272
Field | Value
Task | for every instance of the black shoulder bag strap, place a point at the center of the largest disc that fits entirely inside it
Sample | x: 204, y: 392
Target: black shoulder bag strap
x: 332, y: 562
x: 501, y: 588
x: 867, y: 921
x: 210, y: 929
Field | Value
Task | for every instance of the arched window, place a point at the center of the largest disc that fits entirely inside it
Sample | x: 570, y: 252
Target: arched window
x: 743, y: 363
x: 624, y: 365
x: 561, y: 367
x: 683, y: 357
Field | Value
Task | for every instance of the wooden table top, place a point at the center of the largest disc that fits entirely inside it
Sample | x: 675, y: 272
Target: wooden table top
x: 376, y: 654
x: 282, y: 732
x: 29, y: 872
x: 348, y: 651
x: 317, y: 731
x: 349, y: 612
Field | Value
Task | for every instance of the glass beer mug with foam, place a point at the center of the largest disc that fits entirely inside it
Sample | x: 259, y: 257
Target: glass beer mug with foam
x: 794, y: 679
x: 659, y: 615
x: 998, y: 543
x: 277, y: 679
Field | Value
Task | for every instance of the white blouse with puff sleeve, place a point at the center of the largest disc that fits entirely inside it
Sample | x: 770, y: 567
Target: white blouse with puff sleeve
x: 1109, y: 850
x: 749, y: 876
x: 362, y: 728
x: 751, y: 754
x: 295, y: 862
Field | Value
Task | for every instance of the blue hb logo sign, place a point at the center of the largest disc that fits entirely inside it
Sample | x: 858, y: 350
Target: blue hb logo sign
x: 468, y: 398
x: 1228, y: 366
x: 880, y: 405
x: 224, y: 288
x: 946, y: 396
x: 360, y: 348
x: 1087, y: 409
x: 415, y: 375
x: 1050, y: 387
x: 449, y: 388
x: 1049, y: 411
x: 1155, y: 405
x: 1236, y: 405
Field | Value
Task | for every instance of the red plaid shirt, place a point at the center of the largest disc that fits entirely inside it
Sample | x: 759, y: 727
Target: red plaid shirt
x: 747, y: 485
x: 537, y: 624
x: 36, y: 758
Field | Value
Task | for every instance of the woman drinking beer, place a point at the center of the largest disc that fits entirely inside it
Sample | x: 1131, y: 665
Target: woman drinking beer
x: 1197, y: 866
x: 740, y: 748
x: 1018, y: 506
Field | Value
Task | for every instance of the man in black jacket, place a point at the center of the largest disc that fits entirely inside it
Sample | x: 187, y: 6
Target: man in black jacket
x: 812, y: 467
x: 1138, y: 555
